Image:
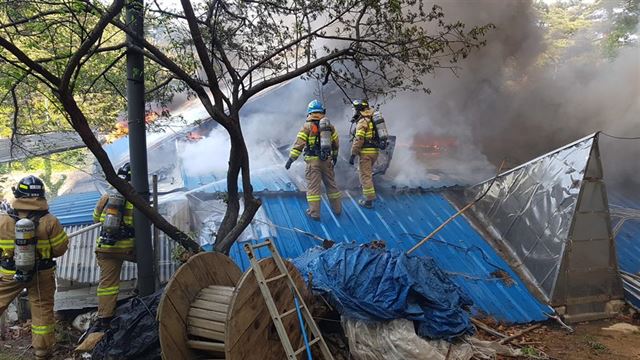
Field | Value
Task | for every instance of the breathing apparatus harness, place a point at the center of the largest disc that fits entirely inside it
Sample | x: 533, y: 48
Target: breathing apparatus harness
x: 321, y: 130
x: 380, y: 133
x: 25, y: 261
x: 113, y: 226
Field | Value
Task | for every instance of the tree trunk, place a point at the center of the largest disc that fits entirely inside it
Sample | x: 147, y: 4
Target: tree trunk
x: 80, y: 124
x: 233, y: 202
x: 238, y: 161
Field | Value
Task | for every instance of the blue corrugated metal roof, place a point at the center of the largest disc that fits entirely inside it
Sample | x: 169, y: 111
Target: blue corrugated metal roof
x: 74, y: 209
x: 627, y: 239
x: 458, y: 249
x: 628, y: 246
x: 271, y: 179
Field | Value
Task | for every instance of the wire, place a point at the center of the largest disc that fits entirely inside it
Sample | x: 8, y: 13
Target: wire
x: 620, y: 137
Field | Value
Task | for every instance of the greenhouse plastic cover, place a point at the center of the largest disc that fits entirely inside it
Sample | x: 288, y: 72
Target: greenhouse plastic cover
x: 530, y: 208
x: 364, y: 283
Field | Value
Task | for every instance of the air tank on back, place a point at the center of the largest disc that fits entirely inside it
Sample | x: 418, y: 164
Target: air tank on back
x: 325, y: 138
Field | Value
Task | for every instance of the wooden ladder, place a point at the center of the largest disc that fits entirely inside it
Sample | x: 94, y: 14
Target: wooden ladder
x: 275, y: 315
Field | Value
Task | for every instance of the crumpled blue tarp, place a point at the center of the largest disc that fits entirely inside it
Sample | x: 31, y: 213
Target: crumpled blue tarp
x: 381, y: 284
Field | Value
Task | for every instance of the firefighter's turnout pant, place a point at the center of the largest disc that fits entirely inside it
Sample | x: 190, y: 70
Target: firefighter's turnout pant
x: 41, y: 291
x: 109, y: 285
x: 318, y: 172
x: 365, y: 167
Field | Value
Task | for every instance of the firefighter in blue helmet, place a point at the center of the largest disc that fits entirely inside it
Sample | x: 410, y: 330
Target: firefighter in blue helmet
x: 319, y: 141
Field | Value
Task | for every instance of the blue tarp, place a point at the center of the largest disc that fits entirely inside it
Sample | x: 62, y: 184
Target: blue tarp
x: 380, y: 284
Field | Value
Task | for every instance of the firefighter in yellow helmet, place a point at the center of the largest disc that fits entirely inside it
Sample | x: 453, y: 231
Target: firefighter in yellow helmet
x: 367, y: 142
x: 114, y: 246
x: 30, y: 239
x: 319, y: 140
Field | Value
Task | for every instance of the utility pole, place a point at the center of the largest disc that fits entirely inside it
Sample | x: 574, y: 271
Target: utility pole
x: 138, y: 147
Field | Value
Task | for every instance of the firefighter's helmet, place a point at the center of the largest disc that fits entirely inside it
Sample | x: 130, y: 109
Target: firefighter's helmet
x: 360, y: 105
x: 315, y: 107
x: 125, y: 172
x: 29, y: 187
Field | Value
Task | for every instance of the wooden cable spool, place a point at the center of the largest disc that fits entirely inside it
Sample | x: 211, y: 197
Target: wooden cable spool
x: 209, y: 309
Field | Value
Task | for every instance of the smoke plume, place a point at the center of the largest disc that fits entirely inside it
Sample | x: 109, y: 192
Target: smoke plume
x: 503, y: 102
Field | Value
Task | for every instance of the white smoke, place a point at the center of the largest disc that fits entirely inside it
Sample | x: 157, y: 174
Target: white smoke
x: 500, y: 104
x: 208, y: 156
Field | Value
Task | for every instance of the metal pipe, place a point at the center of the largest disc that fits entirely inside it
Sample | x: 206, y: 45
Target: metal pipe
x: 84, y: 230
x: 468, y: 206
x: 138, y: 147
x: 156, y: 232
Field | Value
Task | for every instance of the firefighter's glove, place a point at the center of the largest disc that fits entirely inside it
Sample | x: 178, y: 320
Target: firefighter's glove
x: 288, y: 164
x: 352, y: 160
x: 334, y: 160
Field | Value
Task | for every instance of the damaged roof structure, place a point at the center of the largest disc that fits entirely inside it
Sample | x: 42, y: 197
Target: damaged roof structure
x: 541, y: 239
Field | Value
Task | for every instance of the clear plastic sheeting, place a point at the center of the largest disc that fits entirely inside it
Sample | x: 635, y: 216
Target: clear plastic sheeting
x: 530, y: 209
x: 207, y: 215
x: 397, y: 340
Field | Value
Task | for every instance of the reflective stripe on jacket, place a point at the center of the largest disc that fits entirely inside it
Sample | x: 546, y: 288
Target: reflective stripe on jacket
x: 52, y: 239
x: 364, y: 134
x: 99, y: 214
x: 307, y: 139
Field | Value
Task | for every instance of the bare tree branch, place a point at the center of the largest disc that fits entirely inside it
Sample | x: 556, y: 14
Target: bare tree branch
x: 86, y: 46
x: 201, y: 49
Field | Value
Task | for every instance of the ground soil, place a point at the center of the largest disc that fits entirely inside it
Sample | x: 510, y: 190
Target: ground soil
x: 15, y: 342
x: 588, y: 341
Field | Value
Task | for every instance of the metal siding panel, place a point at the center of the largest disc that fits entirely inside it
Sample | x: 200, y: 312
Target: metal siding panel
x: 79, y: 263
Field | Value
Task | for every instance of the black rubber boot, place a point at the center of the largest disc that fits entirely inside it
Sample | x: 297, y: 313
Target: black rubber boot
x: 368, y: 204
x: 105, y: 323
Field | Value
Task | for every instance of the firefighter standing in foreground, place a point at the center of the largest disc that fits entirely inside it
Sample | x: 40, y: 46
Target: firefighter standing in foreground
x: 114, y: 246
x: 369, y: 137
x: 319, y: 140
x: 30, y: 238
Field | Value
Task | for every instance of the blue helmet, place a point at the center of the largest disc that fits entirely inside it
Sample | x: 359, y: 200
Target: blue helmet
x: 315, y: 107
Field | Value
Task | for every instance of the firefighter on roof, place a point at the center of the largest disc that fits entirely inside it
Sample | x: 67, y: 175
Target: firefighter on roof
x: 319, y: 140
x: 30, y: 238
x: 114, y: 246
x: 370, y: 135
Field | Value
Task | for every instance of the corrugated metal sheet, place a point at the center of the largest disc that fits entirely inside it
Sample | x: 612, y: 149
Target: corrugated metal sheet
x: 79, y: 263
x: 625, y: 216
x: 400, y: 219
x: 74, y: 209
x: 270, y: 179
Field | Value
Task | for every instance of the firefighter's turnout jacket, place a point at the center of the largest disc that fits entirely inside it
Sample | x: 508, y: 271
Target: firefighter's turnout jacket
x: 366, y: 148
x: 111, y: 257
x: 317, y: 171
x: 52, y: 243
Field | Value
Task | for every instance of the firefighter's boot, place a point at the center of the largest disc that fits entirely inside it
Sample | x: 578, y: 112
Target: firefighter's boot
x: 368, y: 204
x: 313, y: 217
x: 42, y: 354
